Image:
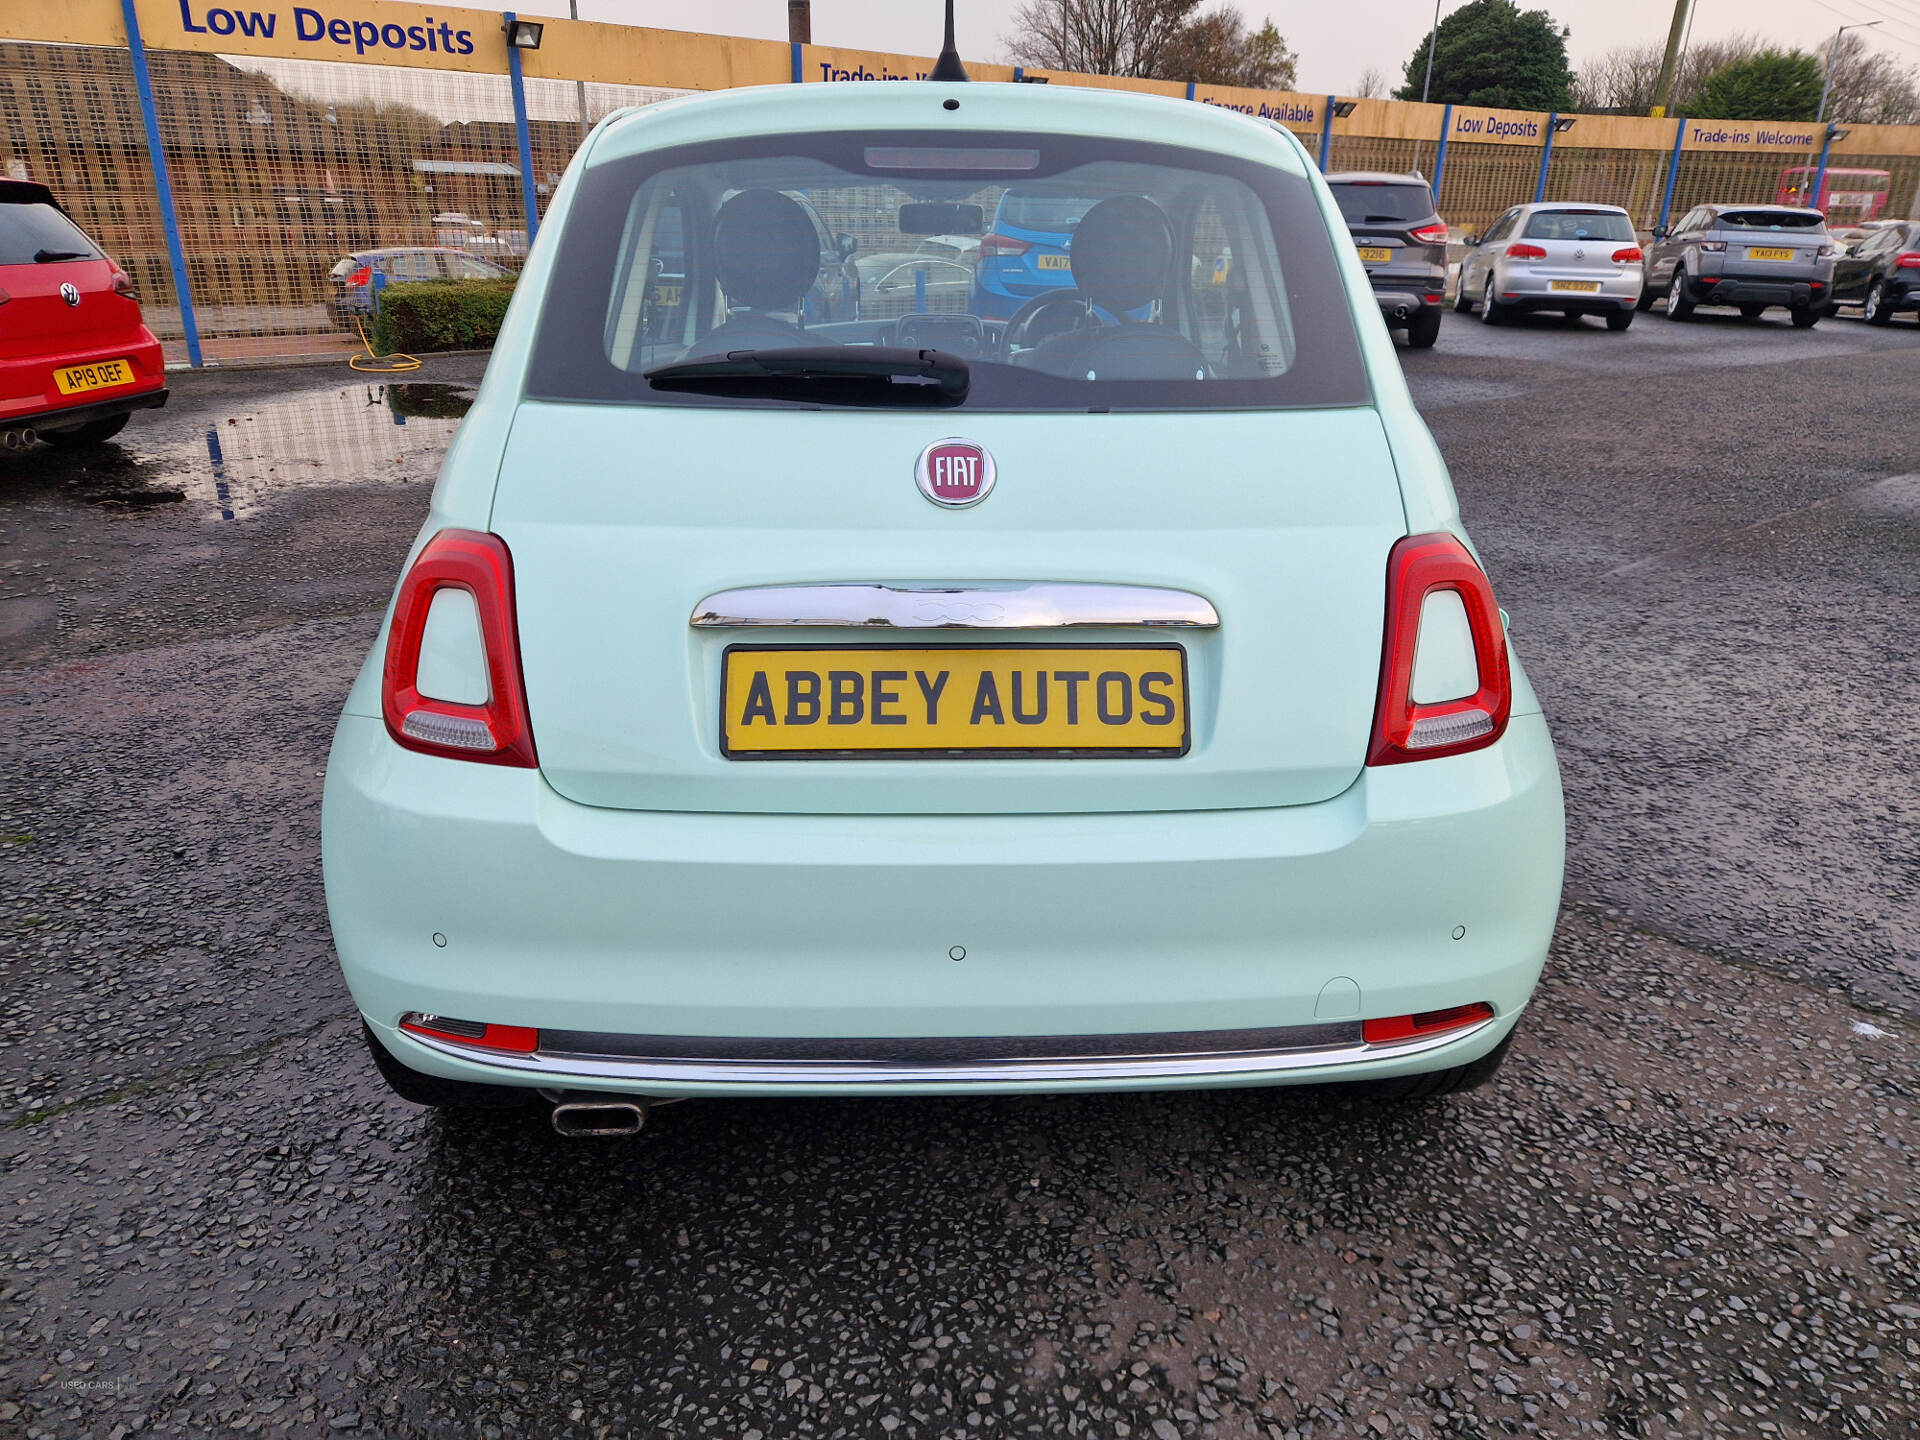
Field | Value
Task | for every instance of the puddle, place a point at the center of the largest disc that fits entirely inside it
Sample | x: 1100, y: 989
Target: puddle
x: 236, y: 465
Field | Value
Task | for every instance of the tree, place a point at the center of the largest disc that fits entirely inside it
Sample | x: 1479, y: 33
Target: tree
x: 1771, y: 85
x: 1371, y: 85
x: 1149, y: 39
x: 1869, y: 87
x: 1491, y: 52
x: 1622, y: 81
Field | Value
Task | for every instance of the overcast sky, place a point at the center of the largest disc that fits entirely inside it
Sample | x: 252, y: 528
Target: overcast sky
x: 1335, y: 43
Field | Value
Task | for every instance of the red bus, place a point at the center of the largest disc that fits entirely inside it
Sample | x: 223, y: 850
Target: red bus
x: 1844, y: 194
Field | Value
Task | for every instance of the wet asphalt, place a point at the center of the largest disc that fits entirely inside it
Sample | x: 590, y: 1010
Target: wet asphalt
x: 1687, y: 1206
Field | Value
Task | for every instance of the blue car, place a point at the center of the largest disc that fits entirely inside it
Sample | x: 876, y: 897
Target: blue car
x: 1026, y: 252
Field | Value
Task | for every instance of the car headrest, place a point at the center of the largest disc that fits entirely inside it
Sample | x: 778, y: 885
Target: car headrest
x: 765, y: 250
x: 1122, y: 251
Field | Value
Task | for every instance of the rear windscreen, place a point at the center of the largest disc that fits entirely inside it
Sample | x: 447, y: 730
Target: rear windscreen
x: 1579, y: 225
x: 37, y: 231
x: 1769, y: 220
x: 1365, y: 202
x: 1191, y: 281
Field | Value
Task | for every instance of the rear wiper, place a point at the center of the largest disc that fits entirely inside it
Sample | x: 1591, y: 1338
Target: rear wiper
x: 1381, y: 219
x: 47, y: 257
x: 833, y: 374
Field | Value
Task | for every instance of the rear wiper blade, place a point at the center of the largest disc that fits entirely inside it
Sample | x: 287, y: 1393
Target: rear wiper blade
x: 845, y: 374
x: 47, y: 257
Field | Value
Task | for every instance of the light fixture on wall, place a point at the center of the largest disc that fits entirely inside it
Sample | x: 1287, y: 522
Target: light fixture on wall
x: 525, y: 34
x: 1343, y: 108
x: 1563, y: 124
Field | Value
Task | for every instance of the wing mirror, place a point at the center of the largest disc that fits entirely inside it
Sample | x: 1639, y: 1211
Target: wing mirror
x: 1470, y: 240
x: 1660, y: 232
x: 846, y: 245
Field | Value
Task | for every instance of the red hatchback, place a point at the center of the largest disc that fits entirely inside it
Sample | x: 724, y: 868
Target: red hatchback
x: 75, y: 357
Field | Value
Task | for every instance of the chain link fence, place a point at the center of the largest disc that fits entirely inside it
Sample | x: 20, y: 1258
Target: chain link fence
x: 289, y: 174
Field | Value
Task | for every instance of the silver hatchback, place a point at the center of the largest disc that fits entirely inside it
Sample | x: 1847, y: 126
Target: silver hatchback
x: 1576, y: 259
x: 1747, y: 256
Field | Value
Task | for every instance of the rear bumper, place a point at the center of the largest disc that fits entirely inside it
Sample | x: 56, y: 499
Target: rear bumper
x: 1751, y: 290
x: 1397, y: 307
x: 780, y: 954
x: 1521, y: 291
x: 29, y: 396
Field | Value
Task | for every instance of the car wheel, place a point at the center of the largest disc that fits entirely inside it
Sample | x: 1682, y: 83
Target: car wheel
x: 1462, y: 301
x: 1752, y: 312
x: 1619, y: 320
x: 1434, y: 1083
x: 1490, y: 311
x: 1647, y: 299
x: 409, y: 1084
x: 1679, y: 307
x: 94, y: 432
x: 1874, y: 309
x: 1805, y: 317
x: 1424, y: 329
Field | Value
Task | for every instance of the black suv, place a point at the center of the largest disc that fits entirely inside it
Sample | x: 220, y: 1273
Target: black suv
x: 1403, y: 244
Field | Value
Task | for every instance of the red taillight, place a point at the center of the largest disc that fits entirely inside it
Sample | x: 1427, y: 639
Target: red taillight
x: 1628, y: 255
x: 1404, y: 728
x: 1004, y: 245
x: 362, y: 276
x: 496, y: 732
x: 1524, y: 251
x: 1908, y: 261
x: 1418, y: 1027
x: 1431, y: 234
x: 517, y: 1039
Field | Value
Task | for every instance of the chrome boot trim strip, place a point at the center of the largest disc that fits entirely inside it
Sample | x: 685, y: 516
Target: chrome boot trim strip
x: 992, y: 605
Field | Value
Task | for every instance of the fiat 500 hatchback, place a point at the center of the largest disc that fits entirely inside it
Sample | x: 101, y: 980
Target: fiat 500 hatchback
x: 1105, y: 696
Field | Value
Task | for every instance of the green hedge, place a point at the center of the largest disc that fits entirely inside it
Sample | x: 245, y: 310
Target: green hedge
x: 440, y: 315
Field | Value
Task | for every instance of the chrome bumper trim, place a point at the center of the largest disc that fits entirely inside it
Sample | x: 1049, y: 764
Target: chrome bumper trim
x: 1010, y: 605
x: 640, y: 1071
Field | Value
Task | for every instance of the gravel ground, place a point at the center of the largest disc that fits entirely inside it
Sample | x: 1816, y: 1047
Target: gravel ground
x: 1686, y: 1208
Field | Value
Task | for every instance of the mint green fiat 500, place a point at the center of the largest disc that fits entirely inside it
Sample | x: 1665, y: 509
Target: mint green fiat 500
x: 806, y: 684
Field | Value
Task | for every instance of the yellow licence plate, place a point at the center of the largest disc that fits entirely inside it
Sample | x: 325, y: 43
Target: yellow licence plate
x: 948, y: 701
x: 1768, y: 252
x: 1582, y: 287
x: 667, y: 296
x: 1375, y: 254
x: 1054, y: 262
x: 101, y: 375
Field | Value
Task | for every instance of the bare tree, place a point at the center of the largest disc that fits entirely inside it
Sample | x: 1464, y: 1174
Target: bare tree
x: 1869, y: 86
x: 1622, y: 81
x: 1372, y: 84
x: 1149, y: 39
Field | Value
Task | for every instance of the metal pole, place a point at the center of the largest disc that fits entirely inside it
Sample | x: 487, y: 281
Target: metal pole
x: 579, y: 86
x: 1433, y: 38
x: 529, y: 200
x: 800, y: 22
x: 162, y: 183
x: 1673, y: 171
x: 1546, y: 159
x: 1663, y: 89
x: 1440, y: 159
x: 1833, y: 56
x: 798, y: 73
x: 1326, y: 134
x: 1820, y: 180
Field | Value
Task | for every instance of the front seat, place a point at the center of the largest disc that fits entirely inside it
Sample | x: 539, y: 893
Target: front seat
x: 1122, y: 257
x: 766, y: 255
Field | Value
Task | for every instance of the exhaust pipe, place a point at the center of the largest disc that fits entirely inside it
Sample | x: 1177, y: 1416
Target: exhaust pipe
x: 1400, y: 312
x: 599, y: 1117
x: 19, y: 438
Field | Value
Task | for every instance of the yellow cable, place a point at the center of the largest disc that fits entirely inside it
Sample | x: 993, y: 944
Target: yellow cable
x: 397, y: 363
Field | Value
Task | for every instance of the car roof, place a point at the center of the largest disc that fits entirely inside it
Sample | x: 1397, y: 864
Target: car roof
x: 1720, y: 207
x: 1373, y: 177
x: 762, y: 110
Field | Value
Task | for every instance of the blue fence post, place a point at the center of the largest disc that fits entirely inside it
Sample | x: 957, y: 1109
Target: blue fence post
x: 162, y: 183
x: 1673, y: 170
x: 1546, y: 159
x: 1440, y: 158
x: 1326, y: 134
x: 529, y: 199
x: 1191, y: 87
x: 1820, y: 179
x: 799, y: 74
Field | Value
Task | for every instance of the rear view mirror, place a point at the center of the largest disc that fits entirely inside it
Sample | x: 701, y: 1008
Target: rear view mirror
x: 936, y: 218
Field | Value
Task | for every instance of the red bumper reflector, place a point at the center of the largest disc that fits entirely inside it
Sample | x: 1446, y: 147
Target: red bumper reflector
x: 517, y: 1039
x: 1431, y: 1022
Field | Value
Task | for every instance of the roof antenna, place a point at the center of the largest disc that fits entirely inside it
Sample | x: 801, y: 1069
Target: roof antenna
x: 948, y: 66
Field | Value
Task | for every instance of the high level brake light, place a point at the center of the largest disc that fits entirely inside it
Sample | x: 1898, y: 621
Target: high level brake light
x: 1431, y: 234
x: 494, y: 731
x: 1524, y: 251
x: 1004, y: 245
x: 1458, y: 695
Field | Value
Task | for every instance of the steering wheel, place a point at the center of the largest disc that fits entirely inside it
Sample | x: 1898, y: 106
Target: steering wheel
x: 1015, y: 335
